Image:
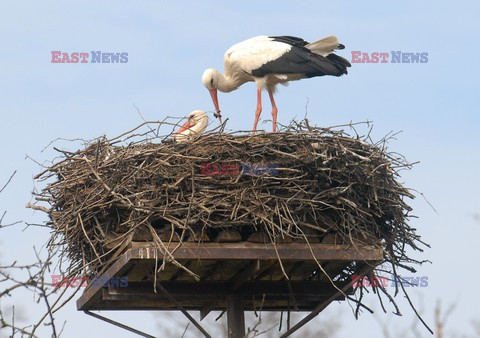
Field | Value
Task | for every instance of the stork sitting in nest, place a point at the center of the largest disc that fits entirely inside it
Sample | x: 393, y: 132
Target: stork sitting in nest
x: 195, y: 125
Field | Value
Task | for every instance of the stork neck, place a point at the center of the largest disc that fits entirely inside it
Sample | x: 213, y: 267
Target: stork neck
x: 226, y: 83
x: 198, y: 128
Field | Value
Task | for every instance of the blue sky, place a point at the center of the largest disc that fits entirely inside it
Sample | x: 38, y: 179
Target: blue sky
x: 169, y: 44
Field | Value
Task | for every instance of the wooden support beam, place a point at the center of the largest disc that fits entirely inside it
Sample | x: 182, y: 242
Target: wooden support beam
x: 233, y: 285
x: 207, y: 308
x: 235, y: 317
x: 179, y: 307
x: 322, y: 305
x: 123, y: 326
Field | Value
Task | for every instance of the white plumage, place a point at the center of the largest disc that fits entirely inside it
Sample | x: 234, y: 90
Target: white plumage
x: 253, y: 53
x: 195, y: 125
x: 270, y: 60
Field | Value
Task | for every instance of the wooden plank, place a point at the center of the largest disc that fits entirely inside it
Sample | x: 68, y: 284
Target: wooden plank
x: 93, y: 293
x: 229, y: 259
x: 252, y: 251
x: 161, y: 302
x: 223, y: 288
x: 166, y: 305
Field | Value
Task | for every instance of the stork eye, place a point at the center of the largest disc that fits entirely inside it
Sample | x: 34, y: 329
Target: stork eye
x: 211, y: 82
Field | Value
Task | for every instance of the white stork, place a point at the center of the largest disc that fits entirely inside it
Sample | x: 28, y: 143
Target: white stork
x: 196, y: 123
x: 270, y: 60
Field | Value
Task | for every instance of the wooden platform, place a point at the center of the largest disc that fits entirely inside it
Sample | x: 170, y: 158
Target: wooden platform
x: 249, y: 271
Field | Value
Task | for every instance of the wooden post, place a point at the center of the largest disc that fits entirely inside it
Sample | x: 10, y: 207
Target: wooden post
x: 235, y: 317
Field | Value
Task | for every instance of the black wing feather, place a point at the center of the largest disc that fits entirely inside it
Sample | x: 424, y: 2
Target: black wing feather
x: 301, y: 60
x: 291, y: 40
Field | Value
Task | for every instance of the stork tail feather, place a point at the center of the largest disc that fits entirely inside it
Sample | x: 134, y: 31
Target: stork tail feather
x: 340, y: 62
x: 325, y: 46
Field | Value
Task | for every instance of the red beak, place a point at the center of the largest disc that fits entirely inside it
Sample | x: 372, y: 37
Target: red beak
x: 213, y: 94
x: 185, y: 126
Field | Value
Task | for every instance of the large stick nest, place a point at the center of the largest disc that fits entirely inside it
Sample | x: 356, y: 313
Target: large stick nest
x: 325, y: 182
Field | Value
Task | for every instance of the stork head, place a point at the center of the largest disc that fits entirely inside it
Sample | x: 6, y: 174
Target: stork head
x: 210, y: 80
x: 196, y: 123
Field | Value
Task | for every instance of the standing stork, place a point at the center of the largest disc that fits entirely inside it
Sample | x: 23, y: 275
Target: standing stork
x: 196, y: 123
x: 270, y: 60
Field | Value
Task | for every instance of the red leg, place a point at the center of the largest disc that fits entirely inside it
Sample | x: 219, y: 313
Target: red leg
x: 274, y: 109
x: 258, y: 111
